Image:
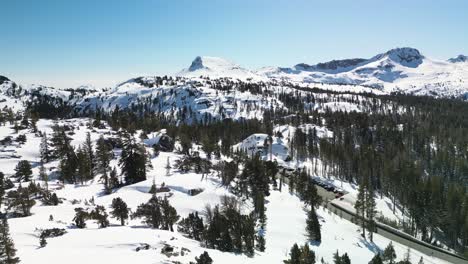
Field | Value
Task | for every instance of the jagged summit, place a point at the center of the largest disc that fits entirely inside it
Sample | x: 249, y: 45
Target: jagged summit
x: 459, y: 58
x: 211, y: 63
x: 3, y: 79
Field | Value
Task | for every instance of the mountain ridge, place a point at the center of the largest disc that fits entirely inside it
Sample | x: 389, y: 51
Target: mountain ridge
x: 404, y: 70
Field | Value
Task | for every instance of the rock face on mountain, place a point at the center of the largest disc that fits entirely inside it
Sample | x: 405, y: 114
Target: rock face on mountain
x: 408, y: 57
x: 331, y: 66
x: 459, y: 58
x: 3, y: 79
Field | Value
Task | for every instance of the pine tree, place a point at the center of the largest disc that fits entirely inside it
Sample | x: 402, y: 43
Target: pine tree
x: 360, y: 206
x: 389, y: 254
x: 204, y: 258
x: 113, y: 179
x: 80, y: 217
x: 44, y: 148
x: 370, y: 212
x: 150, y: 212
x: 83, y: 164
x: 7, y: 247
x: 344, y: 259
x: 119, y: 210
x: 60, y: 142
x: 43, y: 175
x: 20, y: 201
x: 307, y: 255
x: 100, y: 215
x: 134, y: 160
x: 294, y: 255
x: 2, y: 188
x: 103, y: 157
x: 23, y: 170
x: 153, y: 190
x: 337, y: 258
x: 376, y: 259
x: 170, y: 216
x: 68, y: 166
x: 313, y: 226
x: 88, y: 148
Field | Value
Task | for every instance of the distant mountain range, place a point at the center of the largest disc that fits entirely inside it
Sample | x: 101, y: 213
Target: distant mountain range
x: 397, y: 70
x: 403, y: 70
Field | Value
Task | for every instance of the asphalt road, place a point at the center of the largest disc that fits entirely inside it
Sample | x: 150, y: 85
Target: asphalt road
x: 390, y: 233
x: 402, y: 238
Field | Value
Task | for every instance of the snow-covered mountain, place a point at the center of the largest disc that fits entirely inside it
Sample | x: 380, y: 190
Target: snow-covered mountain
x: 214, y: 67
x: 194, y: 91
x: 404, y: 70
x: 397, y: 70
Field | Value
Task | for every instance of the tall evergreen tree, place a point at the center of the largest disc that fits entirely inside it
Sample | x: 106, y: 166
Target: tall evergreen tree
x: 294, y: 255
x: 103, y: 157
x: 23, y: 170
x: 7, y: 247
x: 20, y: 201
x: 88, y: 148
x: 307, y: 255
x: 134, y: 161
x: 68, y: 166
x: 389, y: 254
x: 370, y: 212
x: 2, y: 188
x: 83, y: 165
x: 360, y: 206
x: 43, y: 175
x: 119, y: 210
x: 44, y: 148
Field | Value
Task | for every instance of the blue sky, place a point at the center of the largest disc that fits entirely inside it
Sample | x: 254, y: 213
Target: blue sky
x: 67, y: 43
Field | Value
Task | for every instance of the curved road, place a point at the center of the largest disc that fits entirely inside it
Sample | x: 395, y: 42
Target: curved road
x: 389, y: 232
x: 400, y: 237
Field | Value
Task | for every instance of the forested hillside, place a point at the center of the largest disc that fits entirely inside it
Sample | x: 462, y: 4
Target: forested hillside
x: 244, y: 148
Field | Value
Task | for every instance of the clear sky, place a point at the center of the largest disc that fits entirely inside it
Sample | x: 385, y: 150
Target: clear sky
x: 66, y: 43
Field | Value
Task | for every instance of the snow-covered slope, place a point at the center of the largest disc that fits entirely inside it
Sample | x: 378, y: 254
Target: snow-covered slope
x: 117, y: 244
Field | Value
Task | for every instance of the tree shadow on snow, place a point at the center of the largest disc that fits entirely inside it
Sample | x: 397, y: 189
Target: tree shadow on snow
x: 371, y: 246
x: 315, y: 243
